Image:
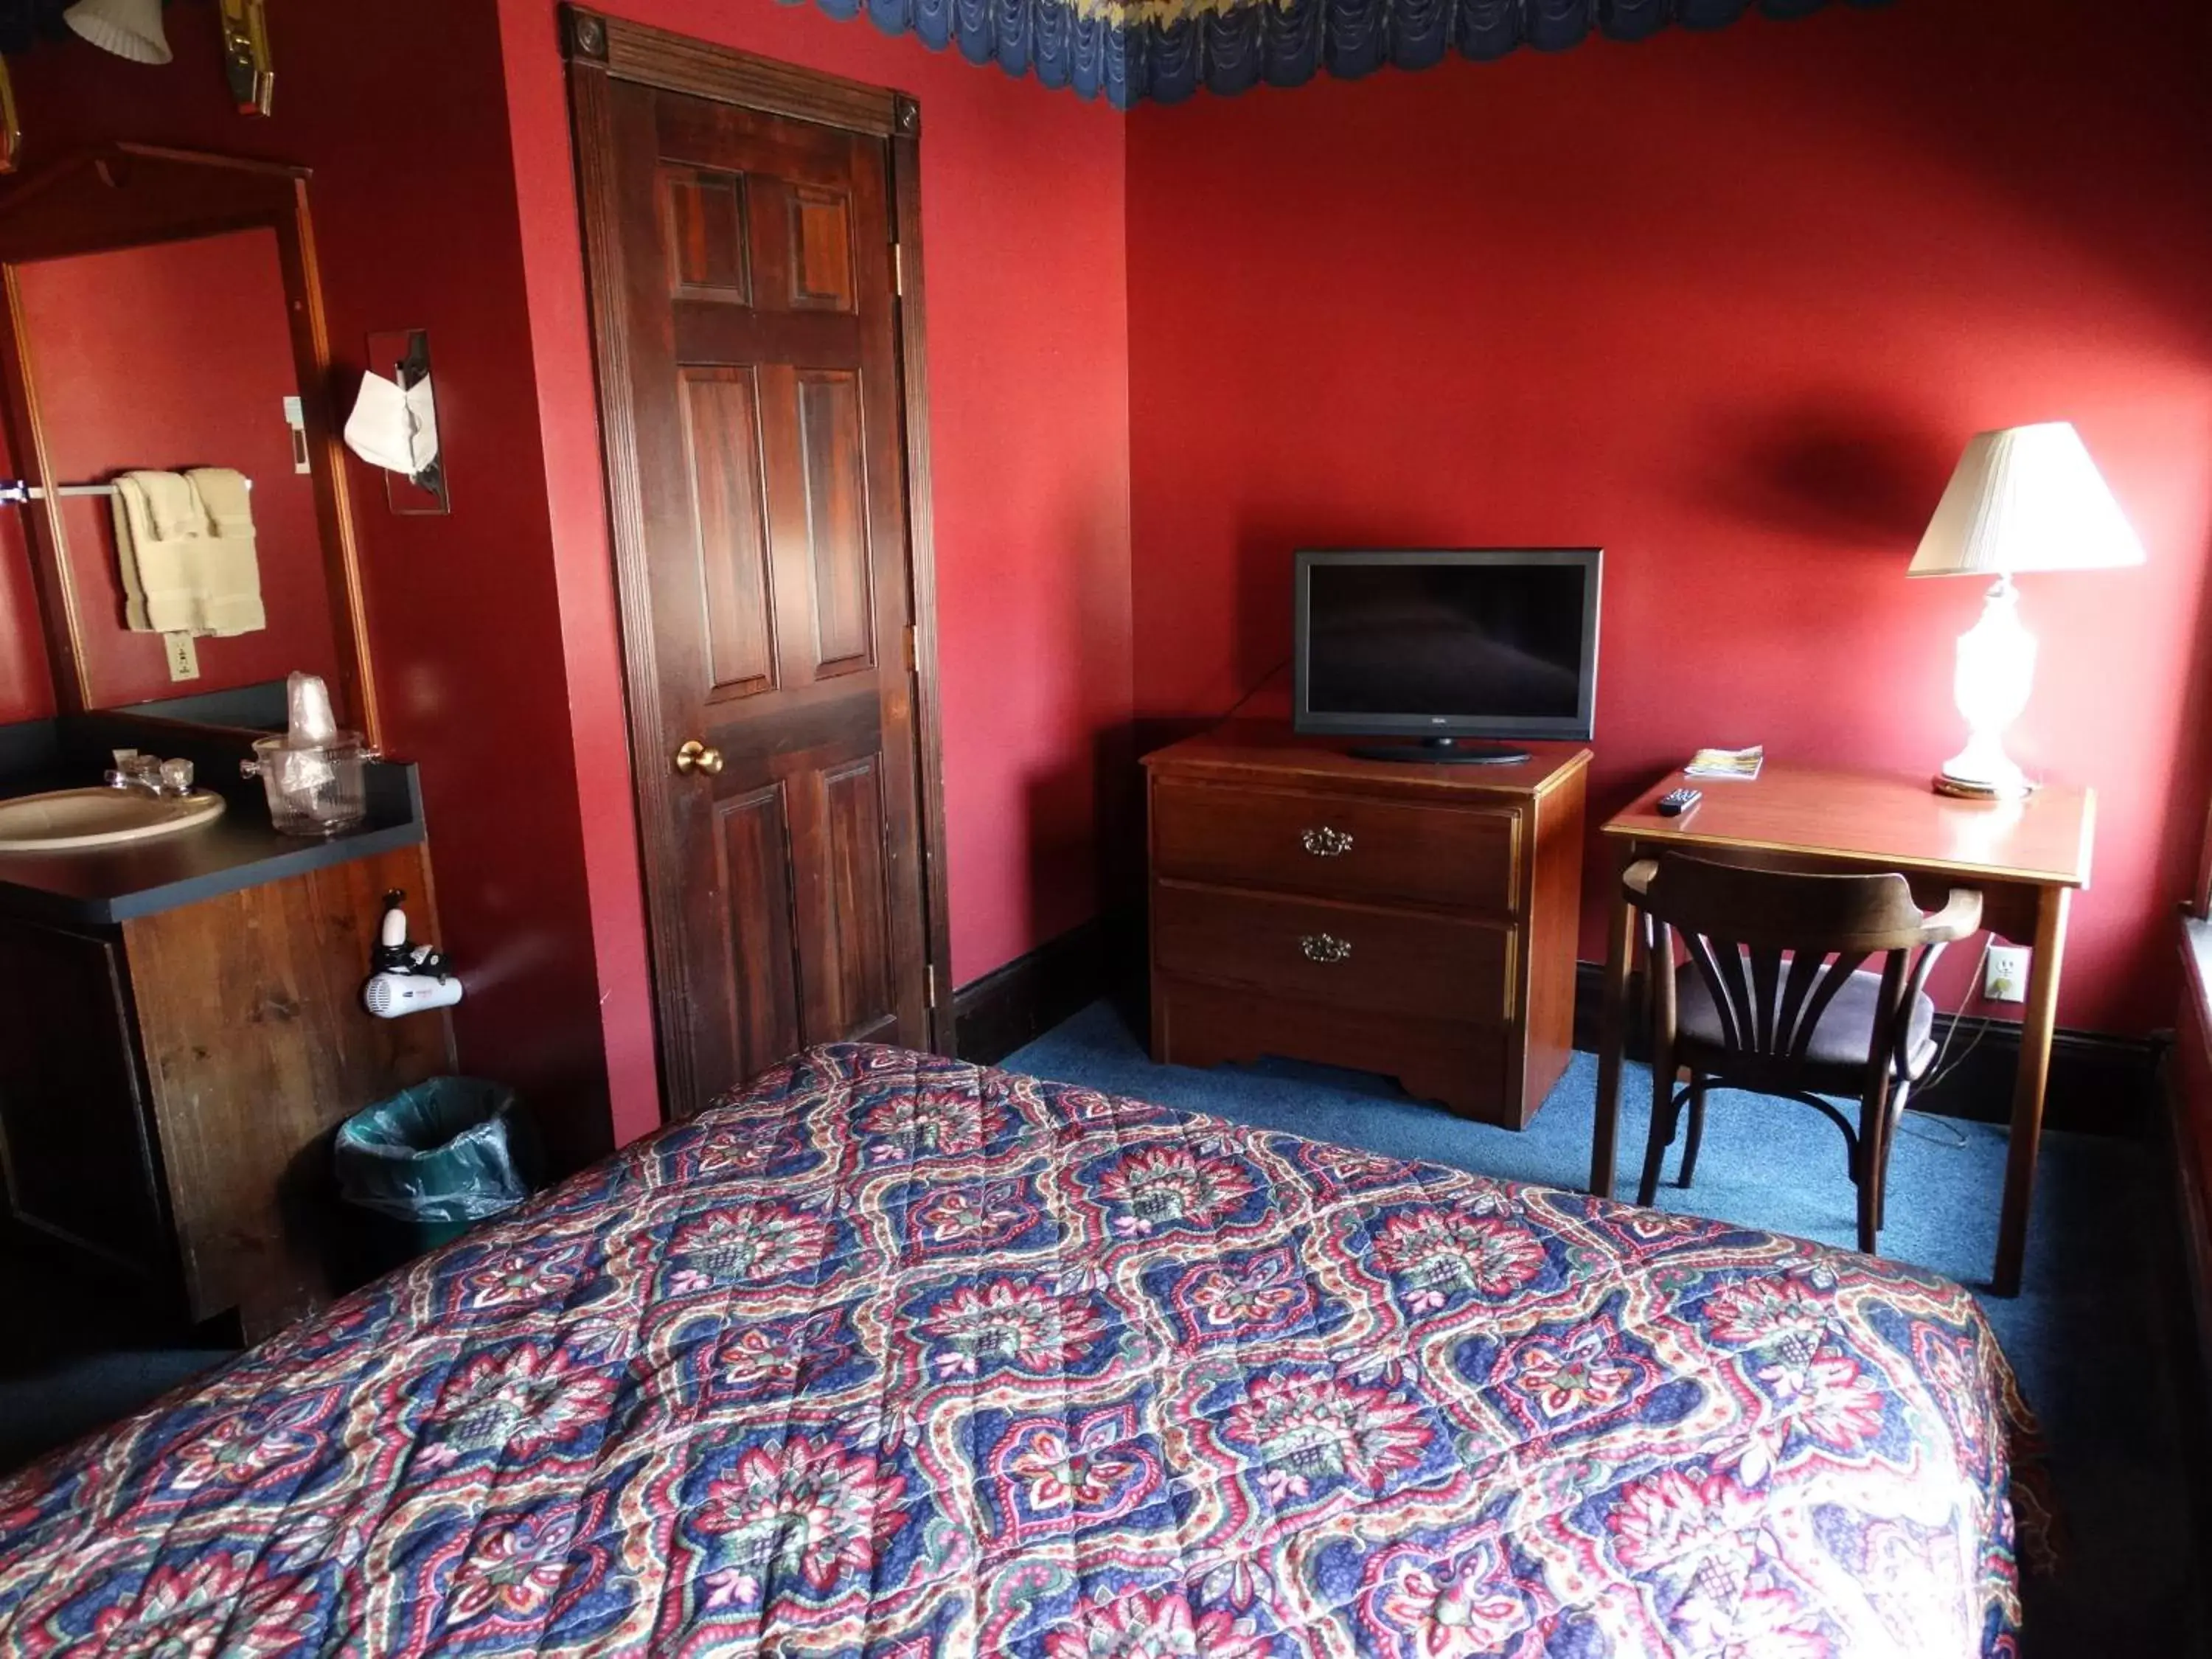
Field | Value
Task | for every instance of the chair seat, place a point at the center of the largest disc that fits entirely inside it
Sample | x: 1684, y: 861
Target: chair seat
x: 1839, y: 1040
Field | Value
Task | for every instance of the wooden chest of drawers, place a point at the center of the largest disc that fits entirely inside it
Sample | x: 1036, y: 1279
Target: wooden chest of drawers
x: 1412, y: 920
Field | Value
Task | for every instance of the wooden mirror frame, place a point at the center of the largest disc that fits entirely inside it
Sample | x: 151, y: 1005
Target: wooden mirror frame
x: 122, y: 195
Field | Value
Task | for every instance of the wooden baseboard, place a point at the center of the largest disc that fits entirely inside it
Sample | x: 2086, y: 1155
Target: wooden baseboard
x: 2098, y: 1084
x: 2192, y: 1221
x: 2187, y: 1097
x: 1019, y: 1002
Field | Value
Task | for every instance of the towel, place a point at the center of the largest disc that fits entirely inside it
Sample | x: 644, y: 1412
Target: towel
x: 157, y: 521
x: 229, y: 581
x: 184, y: 543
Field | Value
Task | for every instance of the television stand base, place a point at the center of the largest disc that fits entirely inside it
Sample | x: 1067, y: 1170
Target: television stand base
x: 1445, y: 752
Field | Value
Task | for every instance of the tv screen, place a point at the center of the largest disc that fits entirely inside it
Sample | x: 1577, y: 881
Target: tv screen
x: 1493, y: 643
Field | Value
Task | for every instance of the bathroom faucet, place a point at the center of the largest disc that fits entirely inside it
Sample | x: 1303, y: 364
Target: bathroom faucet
x: 149, y: 775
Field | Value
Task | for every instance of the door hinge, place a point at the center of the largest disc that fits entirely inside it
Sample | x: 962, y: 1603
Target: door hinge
x: 898, y: 271
x: 913, y: 659
x: 931, y: 977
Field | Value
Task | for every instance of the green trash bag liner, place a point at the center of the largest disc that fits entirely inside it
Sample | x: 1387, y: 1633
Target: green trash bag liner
x: 452, y: 1149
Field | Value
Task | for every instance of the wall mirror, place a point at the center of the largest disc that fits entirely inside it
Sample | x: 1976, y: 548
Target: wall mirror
x: 166, y: 322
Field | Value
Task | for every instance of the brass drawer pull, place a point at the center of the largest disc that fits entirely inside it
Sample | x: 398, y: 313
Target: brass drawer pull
x: 1327, y: 843
x: 1325, y: 947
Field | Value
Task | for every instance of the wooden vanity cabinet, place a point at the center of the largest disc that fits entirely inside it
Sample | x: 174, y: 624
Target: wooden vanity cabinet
x: 73, y: 1142
x: 169, y: 1086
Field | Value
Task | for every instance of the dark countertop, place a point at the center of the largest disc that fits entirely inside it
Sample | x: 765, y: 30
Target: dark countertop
x: 240, y: 849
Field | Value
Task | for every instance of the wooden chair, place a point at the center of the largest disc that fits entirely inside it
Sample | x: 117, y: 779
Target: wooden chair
x: 1773, y: 999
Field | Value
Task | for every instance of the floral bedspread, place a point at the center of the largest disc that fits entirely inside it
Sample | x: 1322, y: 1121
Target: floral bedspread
x: 895, y: 1356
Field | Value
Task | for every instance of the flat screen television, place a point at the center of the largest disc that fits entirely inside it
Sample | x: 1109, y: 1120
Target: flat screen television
x: 1448, y: 646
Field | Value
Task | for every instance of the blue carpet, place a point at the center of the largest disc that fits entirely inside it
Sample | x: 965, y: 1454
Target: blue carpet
x: 54, y: 1403
x: 2090, y: 1335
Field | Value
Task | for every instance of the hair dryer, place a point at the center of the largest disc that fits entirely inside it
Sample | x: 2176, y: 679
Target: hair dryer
x: 408, y: 978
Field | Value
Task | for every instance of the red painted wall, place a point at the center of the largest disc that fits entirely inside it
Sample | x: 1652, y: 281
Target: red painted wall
x: 1727, y: 304
x: 397, y: 110
x: 168, y: 357
x: 26, y: 687
x: 1023, y: 195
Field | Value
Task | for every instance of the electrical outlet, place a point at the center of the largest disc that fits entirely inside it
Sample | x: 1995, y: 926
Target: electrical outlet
x: 184, y: 656
x: 2005, y: 979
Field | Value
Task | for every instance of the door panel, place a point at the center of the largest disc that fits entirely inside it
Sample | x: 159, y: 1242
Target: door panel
x: 837, y: 530
x: 755, y: 879
x: 704, y: 217
x: 721, y: 442
x: 860, y: 993
x: 822, y: 248
x: 759, y: 375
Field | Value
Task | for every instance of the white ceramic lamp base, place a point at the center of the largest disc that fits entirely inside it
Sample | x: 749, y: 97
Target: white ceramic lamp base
x: 1996, y: 671
x: 1982, y: 771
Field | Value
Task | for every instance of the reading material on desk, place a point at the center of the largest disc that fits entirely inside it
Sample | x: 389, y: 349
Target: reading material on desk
x: 1740, y: 764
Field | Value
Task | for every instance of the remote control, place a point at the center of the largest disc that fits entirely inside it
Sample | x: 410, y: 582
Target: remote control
x: 1676, y: 802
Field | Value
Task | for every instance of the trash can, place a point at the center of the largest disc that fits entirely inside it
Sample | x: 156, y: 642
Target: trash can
x: 423, y: 1167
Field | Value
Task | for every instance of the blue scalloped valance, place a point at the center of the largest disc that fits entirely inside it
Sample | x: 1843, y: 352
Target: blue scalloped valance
x: 1129, y: 51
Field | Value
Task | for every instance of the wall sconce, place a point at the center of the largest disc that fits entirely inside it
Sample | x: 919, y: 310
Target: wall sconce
x: 394, y: 423
x: 245, y: 60
x: 11, y: 124
x: 131, y: 29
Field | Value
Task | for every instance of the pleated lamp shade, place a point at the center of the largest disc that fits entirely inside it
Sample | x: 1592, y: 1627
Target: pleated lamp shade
x: 2026, y: 498
x: 129, y: 28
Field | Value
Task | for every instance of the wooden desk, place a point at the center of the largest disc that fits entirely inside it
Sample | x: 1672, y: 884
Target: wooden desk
x: 2025, y: 858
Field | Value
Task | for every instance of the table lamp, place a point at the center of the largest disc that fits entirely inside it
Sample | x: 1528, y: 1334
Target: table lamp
x: 2026, y: 498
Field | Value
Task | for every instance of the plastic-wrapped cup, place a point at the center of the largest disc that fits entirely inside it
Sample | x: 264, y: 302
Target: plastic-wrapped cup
x: 307, y: 705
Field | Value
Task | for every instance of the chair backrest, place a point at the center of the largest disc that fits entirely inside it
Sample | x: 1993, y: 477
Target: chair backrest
x: 1774, y: 947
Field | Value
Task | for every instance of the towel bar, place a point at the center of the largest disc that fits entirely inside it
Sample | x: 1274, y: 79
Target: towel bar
x: 15, y: 492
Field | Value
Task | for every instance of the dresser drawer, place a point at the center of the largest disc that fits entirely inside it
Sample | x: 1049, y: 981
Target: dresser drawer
x: 1465, y: 1067
x: 1420, y: 967
x: 1453, y: 858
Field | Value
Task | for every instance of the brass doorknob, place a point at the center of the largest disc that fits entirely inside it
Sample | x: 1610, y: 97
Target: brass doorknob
x: 696, y: 756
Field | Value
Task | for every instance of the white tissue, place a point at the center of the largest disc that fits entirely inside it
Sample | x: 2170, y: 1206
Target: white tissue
x: 394, y: 429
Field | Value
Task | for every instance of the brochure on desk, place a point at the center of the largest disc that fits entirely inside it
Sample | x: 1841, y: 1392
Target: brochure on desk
x: 1742, y: 764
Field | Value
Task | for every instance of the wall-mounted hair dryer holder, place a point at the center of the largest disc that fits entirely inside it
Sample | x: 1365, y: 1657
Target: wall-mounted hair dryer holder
x: 405, y: 978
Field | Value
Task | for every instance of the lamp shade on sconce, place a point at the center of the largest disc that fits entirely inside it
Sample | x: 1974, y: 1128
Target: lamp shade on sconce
x: 129, y: 28
x: 2026, y: 498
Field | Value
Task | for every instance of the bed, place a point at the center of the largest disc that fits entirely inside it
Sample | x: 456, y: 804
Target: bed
x: 895, y: 1356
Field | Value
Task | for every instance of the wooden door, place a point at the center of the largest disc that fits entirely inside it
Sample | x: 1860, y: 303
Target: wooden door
x: 751, y: 393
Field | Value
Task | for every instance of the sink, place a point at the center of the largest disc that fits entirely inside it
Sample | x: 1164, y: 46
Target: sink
x: 72, y: 820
